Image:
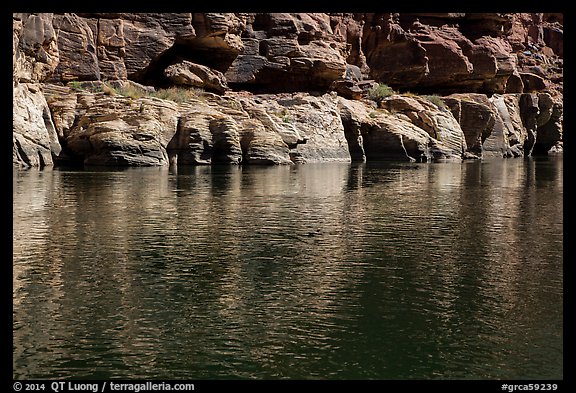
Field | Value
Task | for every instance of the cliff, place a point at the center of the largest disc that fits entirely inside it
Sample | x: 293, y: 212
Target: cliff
x: 257, y: 88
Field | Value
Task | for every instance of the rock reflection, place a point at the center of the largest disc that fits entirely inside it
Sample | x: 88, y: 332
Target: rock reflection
x: 316, y: 271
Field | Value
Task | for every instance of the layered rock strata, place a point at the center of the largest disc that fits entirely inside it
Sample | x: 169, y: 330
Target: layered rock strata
x: 284, y: 88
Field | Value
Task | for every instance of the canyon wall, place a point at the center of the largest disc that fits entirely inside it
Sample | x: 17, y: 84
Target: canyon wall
x: 284, y: 88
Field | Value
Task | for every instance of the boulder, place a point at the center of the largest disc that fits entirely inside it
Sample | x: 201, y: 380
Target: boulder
x: 310, y: 126
x: 435, y: 119
x: 62, y: 103
x: 356, y: 121
x: 395, y: 132
x: 508, y: 136
x: 517, y: 134
x: 446, y: 61
x: 514, y: 84
x: 395, y: 139
x: 226, y: 146
x: 192, y: 143
x: 549, y: 134
x: 34, y: 137
x: 317, y: 124
x: 186, y: 73
x: 120, y: 131
x: 529, y: 111
x: 262, y: 146
x: 532, y: 82
x: 475, y: 116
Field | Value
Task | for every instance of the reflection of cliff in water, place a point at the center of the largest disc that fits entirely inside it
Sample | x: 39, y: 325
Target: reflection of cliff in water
x: 320, y: 271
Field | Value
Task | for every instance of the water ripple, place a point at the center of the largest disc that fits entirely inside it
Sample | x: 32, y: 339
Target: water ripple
x: 331, y: 271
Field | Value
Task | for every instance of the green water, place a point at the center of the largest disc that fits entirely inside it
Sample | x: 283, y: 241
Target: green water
x: 316, y: 271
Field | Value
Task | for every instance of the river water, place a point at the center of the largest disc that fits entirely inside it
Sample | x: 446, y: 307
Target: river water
x: 315, y: 271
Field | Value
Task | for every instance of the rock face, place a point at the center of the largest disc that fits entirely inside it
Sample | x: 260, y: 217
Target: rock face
x: 283, y: 88
x: 409, y: 129
x: 34, y: 137
x: 102, y: 129
x: 286, y: 52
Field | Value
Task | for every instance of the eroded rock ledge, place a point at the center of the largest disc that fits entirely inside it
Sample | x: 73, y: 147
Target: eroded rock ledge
x: 284, y: 88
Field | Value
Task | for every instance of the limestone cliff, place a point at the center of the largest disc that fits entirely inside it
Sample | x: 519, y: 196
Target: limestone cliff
x: 282, y: 88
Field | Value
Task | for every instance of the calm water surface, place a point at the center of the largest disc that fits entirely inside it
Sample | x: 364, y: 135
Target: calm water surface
x: 317, y: 271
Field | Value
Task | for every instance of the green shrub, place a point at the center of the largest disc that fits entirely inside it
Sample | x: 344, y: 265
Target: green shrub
x: 380, y: 91
x: 283, y: 114
x: 76, y: 85
x: 436, y: 100
x: 177, y: 94
x: 89, y: 86
x: 129, y: 91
